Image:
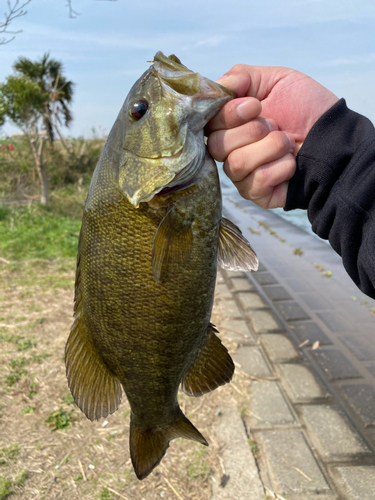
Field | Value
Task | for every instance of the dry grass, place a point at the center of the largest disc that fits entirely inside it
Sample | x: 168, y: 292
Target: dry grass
x: 71, y: 457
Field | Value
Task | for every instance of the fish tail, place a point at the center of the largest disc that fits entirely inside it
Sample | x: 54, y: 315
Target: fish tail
x: 148, y: 446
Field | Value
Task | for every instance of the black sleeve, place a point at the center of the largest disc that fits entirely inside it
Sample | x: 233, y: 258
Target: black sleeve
x: 335, y: 182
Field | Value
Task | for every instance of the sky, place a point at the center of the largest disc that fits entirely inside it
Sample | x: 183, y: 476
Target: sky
x: 105, y: 48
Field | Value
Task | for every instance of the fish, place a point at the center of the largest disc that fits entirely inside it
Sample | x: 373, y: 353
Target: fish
x: 152, y: 235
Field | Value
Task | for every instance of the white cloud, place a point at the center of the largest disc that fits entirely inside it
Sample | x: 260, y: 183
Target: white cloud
x: 358, y: 59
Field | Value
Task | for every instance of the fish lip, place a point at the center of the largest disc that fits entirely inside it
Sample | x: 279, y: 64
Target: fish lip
x: 171, y: 157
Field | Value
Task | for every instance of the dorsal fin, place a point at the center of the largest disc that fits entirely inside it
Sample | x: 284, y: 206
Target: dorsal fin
x: 235, y: 252
x: 212, y: 367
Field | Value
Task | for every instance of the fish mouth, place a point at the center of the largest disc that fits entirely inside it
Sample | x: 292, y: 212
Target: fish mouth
x: 167, y: 158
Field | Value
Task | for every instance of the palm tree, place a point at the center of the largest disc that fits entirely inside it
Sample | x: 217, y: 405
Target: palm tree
x: 47, y: 73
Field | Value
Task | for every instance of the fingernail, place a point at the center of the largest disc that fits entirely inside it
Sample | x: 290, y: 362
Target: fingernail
x: 272, y: 125
x: 225, y: 76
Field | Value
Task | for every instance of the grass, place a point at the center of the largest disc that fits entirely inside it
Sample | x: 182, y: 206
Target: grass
x: 60, y: 420
x: 36, y: 232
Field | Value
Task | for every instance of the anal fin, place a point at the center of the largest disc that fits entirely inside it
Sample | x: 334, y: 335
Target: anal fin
x: 235, y: 252
x: 212, y: 367
x: 148, y: 446
x: 96, y: 391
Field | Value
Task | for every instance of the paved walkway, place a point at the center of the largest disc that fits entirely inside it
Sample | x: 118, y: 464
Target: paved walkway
x: 306, y: 335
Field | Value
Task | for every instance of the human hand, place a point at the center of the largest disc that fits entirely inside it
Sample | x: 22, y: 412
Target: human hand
x: 259, y: 134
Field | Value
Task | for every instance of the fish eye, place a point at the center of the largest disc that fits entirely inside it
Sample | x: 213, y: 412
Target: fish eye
x: 139, y: 108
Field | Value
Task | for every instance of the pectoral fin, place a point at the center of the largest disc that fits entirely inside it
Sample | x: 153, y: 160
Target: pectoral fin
x: 212, y: 367
x: 172, y: 244
x: 96, y: 391
x: 235, y: 252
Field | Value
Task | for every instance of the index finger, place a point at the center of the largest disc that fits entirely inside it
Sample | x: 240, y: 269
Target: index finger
x: 235, y: 113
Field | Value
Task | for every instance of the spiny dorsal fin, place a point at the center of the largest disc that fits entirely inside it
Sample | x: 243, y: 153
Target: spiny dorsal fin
x: 172, y: 244
x: 212, y: 367
x: 235, y: 252
x: 148, y: 446
x: 96, y: 391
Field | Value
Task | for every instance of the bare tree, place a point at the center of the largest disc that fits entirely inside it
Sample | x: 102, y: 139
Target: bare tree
x: 16, y: 9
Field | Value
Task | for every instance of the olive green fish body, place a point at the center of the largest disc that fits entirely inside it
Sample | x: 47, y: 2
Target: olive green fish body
x: 152, y: 234
x: 148, y: 333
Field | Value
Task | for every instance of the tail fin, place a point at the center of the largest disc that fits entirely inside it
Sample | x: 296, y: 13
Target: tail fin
x: 148, y: 446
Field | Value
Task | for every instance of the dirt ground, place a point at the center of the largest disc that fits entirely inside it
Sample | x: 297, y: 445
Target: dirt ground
x: 48, y: 448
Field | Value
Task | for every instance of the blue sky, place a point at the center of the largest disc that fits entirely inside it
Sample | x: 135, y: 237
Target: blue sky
x: 106, y: 48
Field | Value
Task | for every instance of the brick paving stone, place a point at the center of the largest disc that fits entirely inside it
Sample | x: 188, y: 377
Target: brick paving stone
x: 292, y: 311
x: 237, y: 330
x: 263, y: 321
x: 278, y: 347
x: 220, y: 277
x: 229, y: 309
x: 333, y: 321
x: 239, y: 464
x: 332, y: 434
x: 299, y: 285
x: 264, y: 278
x: 361, y: 398
x: 268, y: 407
x: 250, y: 300
x: 242, y: 284
x: 233, y: 274
x: 252, y: 362
x: 307, y: 330
x: 276, y: 292
x: 371, y: 369
x: 222, y: 291
x: 292, y: 466
x: 335, y: 364
x: 316, y: 302
x: 358, y: 481
x: 301, y: 384
x: 363, y: 350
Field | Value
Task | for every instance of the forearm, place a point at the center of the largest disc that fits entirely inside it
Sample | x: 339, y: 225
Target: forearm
x: 335, y: 181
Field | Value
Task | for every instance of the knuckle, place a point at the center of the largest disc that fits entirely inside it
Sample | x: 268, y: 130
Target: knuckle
x: 279, y: 141
x: 258, y: 129
x: 215, y: 144
x: 235, y: 163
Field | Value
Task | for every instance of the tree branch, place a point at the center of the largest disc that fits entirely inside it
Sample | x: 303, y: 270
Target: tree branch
x: 15, y: 10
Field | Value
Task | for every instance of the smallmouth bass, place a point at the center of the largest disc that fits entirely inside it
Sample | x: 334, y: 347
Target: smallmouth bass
x: 152, y: 234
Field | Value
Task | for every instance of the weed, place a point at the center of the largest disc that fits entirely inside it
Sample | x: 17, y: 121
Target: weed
x: 33, y: 390
x: 198, y: 468
x: 14, y: 377
x: 5, y: 487
x: 23, y: 344
x: 19, y: 362
x: 27, y: 410
x: 104, y: 494
x: 59, y: 419
x: 110, y: 438
x: 68, y: 400
x: 20, y: 478
x: 254, y: 448
x: 38, y: 358
x: 78, y: 479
